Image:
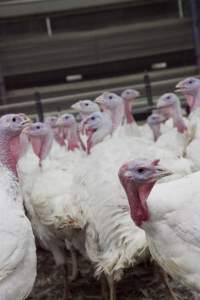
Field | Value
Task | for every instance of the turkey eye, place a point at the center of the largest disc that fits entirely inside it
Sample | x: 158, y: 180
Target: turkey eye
x: 190, y: 82
x: 38, y: 127
x: 110, y: 97
x: 66, y: 118
x: 14, y: 119
x: 141, y: 170
x: 93, y: 118
x: 86, y: 104
x: 168, y: 97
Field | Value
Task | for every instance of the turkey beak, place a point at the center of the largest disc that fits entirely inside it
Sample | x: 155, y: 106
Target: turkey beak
x: 179, y: 87
x: 25, y: 123
x: 99, y: 100
x: 59, y: 122
x: 75, y: 106
x: 161, y: 172
x: 26, y: 129
x: 137, y: 94
x: 25, y: 120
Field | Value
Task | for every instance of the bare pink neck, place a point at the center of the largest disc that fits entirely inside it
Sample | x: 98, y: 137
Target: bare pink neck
x: 58, y: 136
x: 73, y: 138
x: 193, y: 100
x: 180, y: 125
x: 156, y: 131
x: 128, y: 112
x: 116, y: 115
x: 8, y: 155
x: 190, y: 101
x: 89, y: 142
x: 178, y: 121
x: 41, y: 145
x: 137, y: 197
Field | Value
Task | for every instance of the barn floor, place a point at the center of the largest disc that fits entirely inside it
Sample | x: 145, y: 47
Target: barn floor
x: 140, y: 284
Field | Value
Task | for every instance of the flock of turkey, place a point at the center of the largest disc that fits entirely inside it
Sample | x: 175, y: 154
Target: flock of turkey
x: 88, y: 188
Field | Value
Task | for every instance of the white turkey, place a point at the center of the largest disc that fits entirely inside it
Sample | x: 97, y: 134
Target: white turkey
x: 175, y: 132
x: 58, y: 147
x: 53, y: 214
x: 190, y: 88
x: 170, y: 215
x: 154, y: 121
x: 112, y: 243
x: 67, y: 123
x: 119, y: 108
x: 169, y: 151
x: 17, y: 247
x: 51, y: 121
x: 85, y: 108
x: 169, y: 105
x: 129, y: 96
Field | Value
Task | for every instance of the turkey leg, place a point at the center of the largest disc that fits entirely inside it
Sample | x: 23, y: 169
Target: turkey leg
x: 75, y: 270
x: 67, y: 292
x: 166, y: 281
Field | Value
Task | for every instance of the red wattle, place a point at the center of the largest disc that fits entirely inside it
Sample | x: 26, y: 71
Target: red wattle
x: 73, y: 146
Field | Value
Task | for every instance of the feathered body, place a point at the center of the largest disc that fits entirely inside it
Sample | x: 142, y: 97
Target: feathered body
x: 17, y: 247
x: 172, y: 231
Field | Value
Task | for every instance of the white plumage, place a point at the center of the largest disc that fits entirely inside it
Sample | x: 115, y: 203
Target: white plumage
x: 112, y: 242
x: 51, y: 209
x: 169, y: 214
x: 17, y: 247
x: 173, y: 229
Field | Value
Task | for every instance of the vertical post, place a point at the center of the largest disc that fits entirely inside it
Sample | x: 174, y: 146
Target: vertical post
x: 48, y: 25
x: 180, y: 9
x: 39, y: 107
x: 195, y: 14
x: 2, y: 88
x: 147, y: 83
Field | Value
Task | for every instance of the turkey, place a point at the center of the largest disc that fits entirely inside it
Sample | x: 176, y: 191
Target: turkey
x: 169, y: 214
x: 190, y: 88
x: 112, y: 243
x: 129, y: 96
x: 175, y: 134
x: 154, y: 121
x: 85, y: 108
x: 55, y: 218
x: 169, y: 105
x: 67, y: 123
x: 17, y: 247
x: 113, y: 106
x: 51, y: 121
x: 119, y: 108
x: 130, y: 126
x: 99, y: 122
